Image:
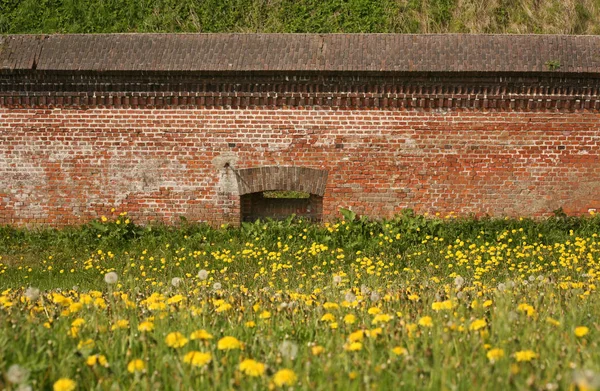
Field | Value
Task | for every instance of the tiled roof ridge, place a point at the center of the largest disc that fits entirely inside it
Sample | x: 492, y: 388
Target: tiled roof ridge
x: 240, y: 52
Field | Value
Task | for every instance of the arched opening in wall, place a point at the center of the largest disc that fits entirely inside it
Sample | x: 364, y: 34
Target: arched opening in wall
x: 277, y: 192
x: 278, y: 205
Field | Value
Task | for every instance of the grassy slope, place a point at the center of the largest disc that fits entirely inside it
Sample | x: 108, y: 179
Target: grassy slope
x: 301, y: 16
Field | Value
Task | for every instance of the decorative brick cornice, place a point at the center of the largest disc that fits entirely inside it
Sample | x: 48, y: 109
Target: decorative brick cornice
x: 310, y: 90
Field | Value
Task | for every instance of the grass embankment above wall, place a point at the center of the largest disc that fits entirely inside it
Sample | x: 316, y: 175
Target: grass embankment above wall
x: 301, y: 16
x: 414, y: 302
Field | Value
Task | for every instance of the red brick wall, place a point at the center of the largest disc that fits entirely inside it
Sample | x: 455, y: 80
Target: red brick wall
x: 67, y: 166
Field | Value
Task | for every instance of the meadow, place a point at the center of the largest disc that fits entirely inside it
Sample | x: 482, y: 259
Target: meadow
x: 414, y: 302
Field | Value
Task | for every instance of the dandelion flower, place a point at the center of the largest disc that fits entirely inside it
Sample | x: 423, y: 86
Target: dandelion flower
x: 201, y: 334
x: 176, y: 340
x: 95, y: 359
x: 525, y: 355
x: 285, y: 377
x: 426, y: 321
x: 477, y: 324
x: 111, y: 278
x: 441, y: 305
x: 146, y: 326
x: 265, y: 315
x: 353, y: 347
x: 136, y: 365
x: 217, y: 286
x: 581, y: 331
x: 349, y: 319
x: 197, y: 359
x: 64, y: 384
x: 229, y: 343
x: 381, y: 318
x: 252, y: 368
x: 495, y: 354
x: 328, y: 317
x: 202, y: 275
x: 337, y: 279
x: 316, y: 350
x: 399, y: 351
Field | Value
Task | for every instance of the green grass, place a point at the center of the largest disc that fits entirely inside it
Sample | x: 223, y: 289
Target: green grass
x: 301, y: 16
x: 423, y: 301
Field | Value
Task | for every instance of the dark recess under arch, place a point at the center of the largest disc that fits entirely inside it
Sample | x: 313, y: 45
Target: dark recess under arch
x: 253, y: 182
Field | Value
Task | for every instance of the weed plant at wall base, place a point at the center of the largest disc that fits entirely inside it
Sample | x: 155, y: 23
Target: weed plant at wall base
x: 413, y: 302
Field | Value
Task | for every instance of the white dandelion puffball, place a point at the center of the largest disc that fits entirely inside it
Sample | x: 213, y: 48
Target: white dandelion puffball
x: 32, y: 293
x: 16, y: 374
x: 217, y: 286
x: 175, y: 281
x: 337, y: 279
x: 202, y: 275
x: 350, y: 297
x: 288, y: 350
x: 459, y: 281
x: 375, y: 296
x: 111, y: 278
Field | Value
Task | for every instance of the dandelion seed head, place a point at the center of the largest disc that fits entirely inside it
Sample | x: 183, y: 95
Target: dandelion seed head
x: 202, y: 275
x: 17, y: 374
x: 175, y: 281
x: 111, y: 278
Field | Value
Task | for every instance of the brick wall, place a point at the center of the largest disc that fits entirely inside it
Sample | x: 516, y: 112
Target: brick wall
x: 67, y: 165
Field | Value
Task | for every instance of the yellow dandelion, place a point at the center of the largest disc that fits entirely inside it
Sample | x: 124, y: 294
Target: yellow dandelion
x: 265, y: 315
x: 356, y: 336
x: 229, y: 343
x: 495, y: 354
x: 285, y: 377
x: 64, y: 384
x: 316, y: 350
x: 477, y: 324
x: 381, y: 318
x: 136, y: 365
x: 146, y: 326
x: 328, y: 317
x: 252, y: 368
x: 201, y: 334
x: 120, y: 324
x: 581, y: 331
x: 426, y: 321
x: 525, y: 355
x: 197, y: 359
x: 353, y: 347
x: 349, y: 319
x: 399, y: 351
x: 176, y: 340
x: 441, y: 305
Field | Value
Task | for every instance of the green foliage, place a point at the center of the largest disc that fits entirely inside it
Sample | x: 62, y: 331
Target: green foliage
x: 299, y: 16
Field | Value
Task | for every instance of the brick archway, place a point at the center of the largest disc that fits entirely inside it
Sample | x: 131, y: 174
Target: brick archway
x: 253, y: 182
